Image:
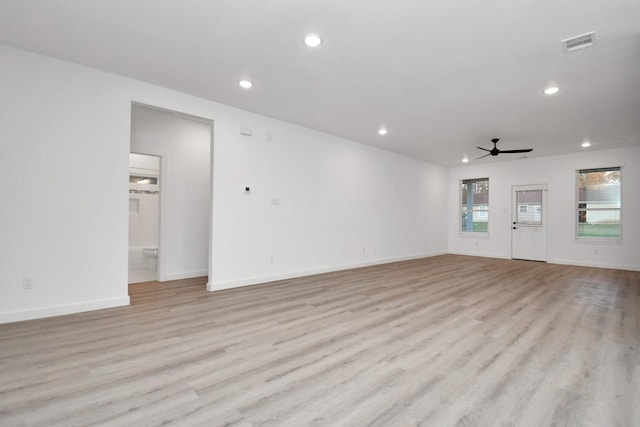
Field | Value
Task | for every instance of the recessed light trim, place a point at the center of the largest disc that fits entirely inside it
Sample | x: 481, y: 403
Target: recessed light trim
x: 245, y: 84
x: 383, y: 131
x: 552, y: 90
x: 312, y: 40
x: 586, y: 144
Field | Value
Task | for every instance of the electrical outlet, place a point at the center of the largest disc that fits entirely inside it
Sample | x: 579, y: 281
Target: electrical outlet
x: 27, y: 283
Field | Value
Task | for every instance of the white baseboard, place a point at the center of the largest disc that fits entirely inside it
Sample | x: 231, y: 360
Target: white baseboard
x: 483, y: 254
x: 595, y: 264
x: 558, y: 261
x: 218, y: 286
x: 187, y: 275
x: 59, y: 310
x: 38, y: 313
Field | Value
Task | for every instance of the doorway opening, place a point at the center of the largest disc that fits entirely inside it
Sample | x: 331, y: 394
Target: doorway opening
x: 182, y: 145
x: 144, y: 217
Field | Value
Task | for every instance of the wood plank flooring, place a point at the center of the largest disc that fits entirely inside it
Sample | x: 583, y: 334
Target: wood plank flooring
x: 442, y: 341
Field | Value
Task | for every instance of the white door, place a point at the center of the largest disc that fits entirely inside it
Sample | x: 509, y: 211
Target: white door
x: 529, y: 223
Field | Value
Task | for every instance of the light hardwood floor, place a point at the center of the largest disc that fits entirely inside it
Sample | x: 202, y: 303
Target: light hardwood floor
x: 442, y: 341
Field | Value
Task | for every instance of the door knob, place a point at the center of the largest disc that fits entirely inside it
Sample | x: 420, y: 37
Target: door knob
x: 514, y: 228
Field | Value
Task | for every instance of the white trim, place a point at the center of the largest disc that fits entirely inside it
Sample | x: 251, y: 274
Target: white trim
x: 211, y: 195
x: 559, y: 261
x: 17, y: 316
x: 482, y: 255
x: 474, y: 234
x: 595, y: 264
x: 599, y: 241
x: 186, y: 275
x: 617, y: 241
x: 218, y: 286
x: 59, y: 310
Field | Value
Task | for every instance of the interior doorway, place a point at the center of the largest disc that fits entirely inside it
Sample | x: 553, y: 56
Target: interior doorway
x: 183, y: 146
x: 144, y: 217
x: 529, y: 222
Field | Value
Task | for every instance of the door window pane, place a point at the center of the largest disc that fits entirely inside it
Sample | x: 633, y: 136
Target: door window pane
x: 529, y: 207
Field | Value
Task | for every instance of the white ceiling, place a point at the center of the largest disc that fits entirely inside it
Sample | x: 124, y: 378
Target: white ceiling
x: 442, y: 76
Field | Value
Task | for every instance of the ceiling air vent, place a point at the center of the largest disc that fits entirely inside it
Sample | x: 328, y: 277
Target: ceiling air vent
x: 579, y: 42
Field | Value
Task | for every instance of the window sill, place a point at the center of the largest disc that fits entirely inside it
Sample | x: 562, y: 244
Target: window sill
x: 599, y: 240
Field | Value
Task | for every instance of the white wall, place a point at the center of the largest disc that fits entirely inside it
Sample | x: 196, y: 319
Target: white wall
x: 185, y: 147
x: 65, y: 136
x: 317, y: 203
x: 559, y: 172
x: 147, y: 165
x: 64, y: 178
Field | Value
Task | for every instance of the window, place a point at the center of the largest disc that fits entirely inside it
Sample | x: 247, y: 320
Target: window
x: 474, y: 205
x: 599, y: 203
x: 529, y: 203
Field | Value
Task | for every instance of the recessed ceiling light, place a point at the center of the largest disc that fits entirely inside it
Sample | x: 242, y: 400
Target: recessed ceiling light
x: 552, y: 90
x: 245, y: 84
x: 382, y: 131
x: 586, y: 144
x: 465, y: 160
x: 312, y: 40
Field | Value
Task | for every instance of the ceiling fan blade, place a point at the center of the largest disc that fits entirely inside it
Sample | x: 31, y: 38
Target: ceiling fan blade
x: 524, y: 150
x: 483, y: 149
x: 482, y: 157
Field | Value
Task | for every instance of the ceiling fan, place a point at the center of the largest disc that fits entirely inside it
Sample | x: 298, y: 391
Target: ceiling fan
x: 495, y: 151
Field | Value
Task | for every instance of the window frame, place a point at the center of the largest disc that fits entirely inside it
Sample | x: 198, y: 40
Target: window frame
x: 578, y: 208
x: 462, y: 205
